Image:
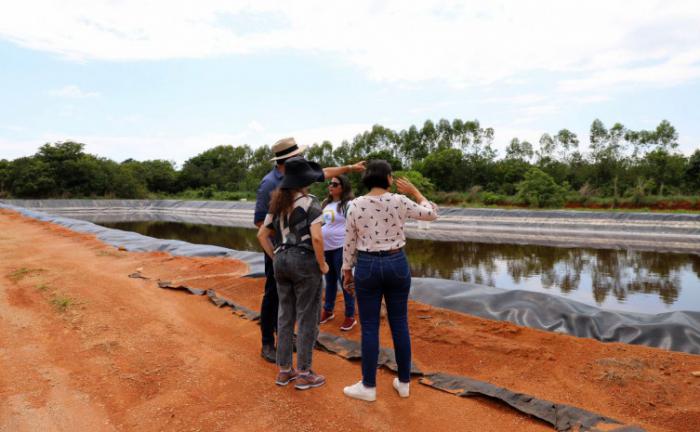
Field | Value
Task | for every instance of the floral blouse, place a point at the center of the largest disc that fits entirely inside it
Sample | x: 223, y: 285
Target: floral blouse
x: 376, y: 223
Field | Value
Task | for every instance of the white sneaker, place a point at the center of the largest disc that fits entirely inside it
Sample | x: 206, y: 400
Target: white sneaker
x: 401, y: 388
x: 359, y: 391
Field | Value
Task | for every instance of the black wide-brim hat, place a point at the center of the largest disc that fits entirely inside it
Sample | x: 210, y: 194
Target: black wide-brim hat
x: 300, y: 173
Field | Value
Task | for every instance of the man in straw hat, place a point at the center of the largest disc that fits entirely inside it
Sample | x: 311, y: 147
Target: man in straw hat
x: 283, y: 150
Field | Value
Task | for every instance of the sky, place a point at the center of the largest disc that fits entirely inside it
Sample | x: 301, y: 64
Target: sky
x: 170, y: 79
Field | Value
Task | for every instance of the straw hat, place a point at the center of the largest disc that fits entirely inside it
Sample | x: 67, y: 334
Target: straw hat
x: 286, y: 148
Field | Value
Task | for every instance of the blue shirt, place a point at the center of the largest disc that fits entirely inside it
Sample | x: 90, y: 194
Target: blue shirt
x: 262, y: 200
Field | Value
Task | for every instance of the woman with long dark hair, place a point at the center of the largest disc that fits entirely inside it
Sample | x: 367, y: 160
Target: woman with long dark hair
x: 297, y: 251
x: 334, y: 210
x: 374, y: 246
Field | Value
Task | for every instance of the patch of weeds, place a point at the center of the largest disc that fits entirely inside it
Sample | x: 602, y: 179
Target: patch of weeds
x: 19, y: 274
x: 62, y: 303
x: 42, y: 287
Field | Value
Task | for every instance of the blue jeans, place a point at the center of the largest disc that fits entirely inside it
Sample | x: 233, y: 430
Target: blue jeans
x: 386, y: 276
x: 334, y: 258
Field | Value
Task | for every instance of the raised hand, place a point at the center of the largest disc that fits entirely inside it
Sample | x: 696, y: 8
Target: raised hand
x: 405, y: 187
x: 358, y: 167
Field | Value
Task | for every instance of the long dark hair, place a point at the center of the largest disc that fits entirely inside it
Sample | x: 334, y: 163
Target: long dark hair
x: 345, y: 197
x: 282, y: 201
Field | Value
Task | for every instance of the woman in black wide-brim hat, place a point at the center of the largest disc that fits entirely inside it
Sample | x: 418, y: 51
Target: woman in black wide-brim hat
x: 294, y: 222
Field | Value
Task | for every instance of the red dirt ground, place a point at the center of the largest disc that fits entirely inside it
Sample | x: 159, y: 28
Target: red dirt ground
x: 84, y: 347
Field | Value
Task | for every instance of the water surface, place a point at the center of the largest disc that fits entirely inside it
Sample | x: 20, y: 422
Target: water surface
x: 636, y: 281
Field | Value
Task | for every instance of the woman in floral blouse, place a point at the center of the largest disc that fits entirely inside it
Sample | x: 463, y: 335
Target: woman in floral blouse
x: 374, y: 246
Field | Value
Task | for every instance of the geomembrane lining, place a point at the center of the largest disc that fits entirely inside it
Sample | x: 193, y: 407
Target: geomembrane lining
x: 563, y: 417
x: 661, y: 232
x: 676, y: 331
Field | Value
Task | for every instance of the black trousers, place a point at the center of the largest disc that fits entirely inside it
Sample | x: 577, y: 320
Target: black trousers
x: 270, y: 305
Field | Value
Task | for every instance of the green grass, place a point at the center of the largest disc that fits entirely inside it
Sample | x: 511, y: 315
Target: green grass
x: 42, y: 287
x: 21, y: 273
x: 62, y: 303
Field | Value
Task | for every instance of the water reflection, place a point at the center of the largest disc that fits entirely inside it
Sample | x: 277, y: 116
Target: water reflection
x: 616, y: 273
x: 596, y: 276
x: 242, y: 239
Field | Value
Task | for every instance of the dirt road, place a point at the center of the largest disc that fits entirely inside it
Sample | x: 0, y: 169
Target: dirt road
x: 84, y: 347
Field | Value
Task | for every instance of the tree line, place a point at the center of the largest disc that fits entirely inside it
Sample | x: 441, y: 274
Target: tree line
x: 453, y: 160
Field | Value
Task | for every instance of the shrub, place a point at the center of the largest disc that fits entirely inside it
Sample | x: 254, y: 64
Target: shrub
x: 423, y: 184
x: 539, y: 189
x: 490, y: 198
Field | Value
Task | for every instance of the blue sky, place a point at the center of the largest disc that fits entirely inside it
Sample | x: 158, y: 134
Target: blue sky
x: 170, y: 79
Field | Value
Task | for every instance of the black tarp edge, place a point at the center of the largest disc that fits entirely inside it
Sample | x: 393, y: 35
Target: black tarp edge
x: 563, y: 417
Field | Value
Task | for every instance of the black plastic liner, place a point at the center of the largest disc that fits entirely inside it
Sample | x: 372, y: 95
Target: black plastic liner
x: 677, y: 331
x: 563, y: 417
x: 135, y: 242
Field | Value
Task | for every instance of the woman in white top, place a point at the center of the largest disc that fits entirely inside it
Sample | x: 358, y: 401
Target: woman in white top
x: 374, y: 244
x: 334, y: 210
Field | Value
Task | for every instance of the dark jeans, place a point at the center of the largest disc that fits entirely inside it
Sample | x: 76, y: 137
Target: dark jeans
x: 299, y: 285
x: 334, y: 258
x: 269, y: 307
x: 386, y: 276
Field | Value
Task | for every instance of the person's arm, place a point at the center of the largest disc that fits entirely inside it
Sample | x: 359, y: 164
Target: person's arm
x: 424, y: 210
x: 331, y: 172
x: 264, y: 234
x: 349, y: 250
x: 317, y: 242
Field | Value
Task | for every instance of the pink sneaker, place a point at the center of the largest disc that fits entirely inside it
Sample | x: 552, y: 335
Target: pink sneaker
x: 326, y: 316
x: 348, y: 324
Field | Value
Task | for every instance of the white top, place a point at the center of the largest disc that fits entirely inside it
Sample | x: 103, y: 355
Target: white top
x: 376, y: 223
x: 333, y: 227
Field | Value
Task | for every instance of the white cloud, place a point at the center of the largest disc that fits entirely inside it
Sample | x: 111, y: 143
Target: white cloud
x: 518, y: 99
x: 72, y: 91
x: 675, y: 71
x: 256, y: 126
x: 460, y: 42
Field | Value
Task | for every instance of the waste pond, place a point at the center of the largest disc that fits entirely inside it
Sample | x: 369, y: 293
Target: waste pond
x: 625, y: 280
